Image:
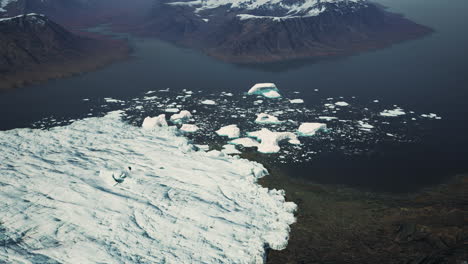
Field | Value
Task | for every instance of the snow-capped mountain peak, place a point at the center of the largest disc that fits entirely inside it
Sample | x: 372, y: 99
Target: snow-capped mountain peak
x: 273, y: 9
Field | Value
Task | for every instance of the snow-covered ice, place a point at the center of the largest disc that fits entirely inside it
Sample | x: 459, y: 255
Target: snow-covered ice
x: 102, y: 191
x: 269, y: 140
x: 309, y: 129
x: 230, y: 131
x: 181, y: 117
x: 189, y: 128
x: 230, y: 149
x: 246, y: 142
x: 152, y: 122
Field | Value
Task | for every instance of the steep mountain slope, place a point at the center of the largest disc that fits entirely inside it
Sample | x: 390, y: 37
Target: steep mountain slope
x: 258, y: 31
x: 32, y: 48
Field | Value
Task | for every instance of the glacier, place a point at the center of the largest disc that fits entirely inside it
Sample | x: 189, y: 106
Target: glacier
x: 100, y: 190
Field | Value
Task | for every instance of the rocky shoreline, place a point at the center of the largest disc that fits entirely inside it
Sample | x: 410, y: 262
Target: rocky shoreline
x: 343, y: 225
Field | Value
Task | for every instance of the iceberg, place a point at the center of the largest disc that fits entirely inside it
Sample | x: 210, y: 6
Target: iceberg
x: 102, y: 191
x: 309, y: 129
x: 268, y: 90
x: 181, y: 117
x: 152, y: 122
x: 189, y: 128
x: 230, y: 150
x: 267, y: 119
x: 231, y: 131
x: 269, y: 140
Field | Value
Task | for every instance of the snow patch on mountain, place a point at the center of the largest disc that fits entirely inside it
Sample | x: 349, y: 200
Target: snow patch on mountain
x: 265, y: 9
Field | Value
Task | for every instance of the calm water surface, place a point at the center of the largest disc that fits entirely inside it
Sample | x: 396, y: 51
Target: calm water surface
x: 426, y: 75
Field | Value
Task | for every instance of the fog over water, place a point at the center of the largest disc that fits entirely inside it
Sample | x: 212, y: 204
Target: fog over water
x: 428, y: 75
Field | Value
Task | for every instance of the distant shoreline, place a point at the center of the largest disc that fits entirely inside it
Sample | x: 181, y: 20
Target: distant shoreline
x: 100, y: 51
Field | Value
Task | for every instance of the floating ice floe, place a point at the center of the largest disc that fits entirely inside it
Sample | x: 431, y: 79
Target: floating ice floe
x: 269, y: 140
x: 365, y: 126
x: 246, y: 142
x: 393, y: 113
x: 230, y: 149
x: 309, y: 129
x: 267, y: 119
x: 208, y: 102
x: 231, y: 131
x: 112, y: 100
x: 172, y: 110
x: 341, y: 103
x: 189, y: 128
x: 152, y: 122
x: 296, y: 101
x: 60, y: 203
x: 327, y: 118
x: 431, y: 116
x: 268, y: 90
x: 181, y: 117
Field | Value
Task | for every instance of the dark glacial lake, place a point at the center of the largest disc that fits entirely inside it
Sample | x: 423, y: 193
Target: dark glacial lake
x: 428, y: 75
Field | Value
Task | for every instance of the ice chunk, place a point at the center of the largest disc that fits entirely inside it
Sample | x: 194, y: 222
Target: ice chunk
x: 272, y: 94
x: 269, y: 140
x: 191, y: 207
x: 189, y: 128
x: 296, y: 101
x: 327, y: 118
x: 365, y: 125
x: 309, y: 129
x: 231, y: 131
x: 393, y: 113
x: 431, y: 116
x: 230, y: 149
x: 268, y: 90
x: 341, y: 103
x: 112, y: 100
x: 267, y: 119
x: 203, y: 147
x: 246, y: 142
x: 152, y: 122
x: 172, y: 110
x: 181, y: 117
x: 208, y: 102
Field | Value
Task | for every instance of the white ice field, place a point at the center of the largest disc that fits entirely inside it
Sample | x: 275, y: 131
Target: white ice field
x: 102, y: 191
